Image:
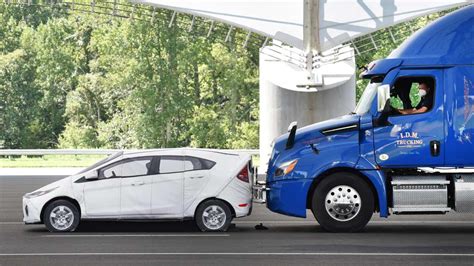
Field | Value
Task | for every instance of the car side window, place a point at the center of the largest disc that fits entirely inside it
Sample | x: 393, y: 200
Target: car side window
x: 171, y: 164
x: 137, y: 167
x: 194, y: 163
x: 129, y: 167
x: 111, y: 171
x: 175, y: 164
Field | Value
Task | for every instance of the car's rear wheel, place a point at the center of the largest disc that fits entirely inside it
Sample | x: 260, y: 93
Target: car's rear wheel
x: 61, y: 216
x: 343, y: 202
x: 213, y: 216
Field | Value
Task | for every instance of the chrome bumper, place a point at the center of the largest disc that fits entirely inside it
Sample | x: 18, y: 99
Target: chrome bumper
x: 259, y: 191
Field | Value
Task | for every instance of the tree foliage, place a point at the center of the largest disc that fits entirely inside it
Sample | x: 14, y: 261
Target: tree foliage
x: 88, y: 81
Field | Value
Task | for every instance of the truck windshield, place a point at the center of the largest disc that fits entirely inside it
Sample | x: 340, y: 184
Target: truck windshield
x: 366, y: 99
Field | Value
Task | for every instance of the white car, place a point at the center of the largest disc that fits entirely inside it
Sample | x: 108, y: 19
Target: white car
x: 209, y: 186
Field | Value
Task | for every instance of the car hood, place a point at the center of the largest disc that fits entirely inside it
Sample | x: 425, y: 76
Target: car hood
x: 62, y: 183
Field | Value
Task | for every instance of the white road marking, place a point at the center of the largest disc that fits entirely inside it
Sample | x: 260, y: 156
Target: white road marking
x: 372, y: 222
x: 135, y: 235
x: 244, y: 253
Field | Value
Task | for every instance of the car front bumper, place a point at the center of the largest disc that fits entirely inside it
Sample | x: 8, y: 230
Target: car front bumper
x: 31, y: 213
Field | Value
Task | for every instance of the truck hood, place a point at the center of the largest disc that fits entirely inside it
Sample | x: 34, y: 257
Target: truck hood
x: 317, y: 130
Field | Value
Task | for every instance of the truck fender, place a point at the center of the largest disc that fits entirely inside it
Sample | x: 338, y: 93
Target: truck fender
x: 375, y: 177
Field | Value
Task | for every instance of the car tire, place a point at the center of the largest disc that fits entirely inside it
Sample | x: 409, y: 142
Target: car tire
x: 61, y: 216
x: 213, y: 216
x: 343, y: 202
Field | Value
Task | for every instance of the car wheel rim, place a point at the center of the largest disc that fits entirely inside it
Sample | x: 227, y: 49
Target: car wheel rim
x: 214, y: 217
x: 61, y: 217
x: 343, y: 203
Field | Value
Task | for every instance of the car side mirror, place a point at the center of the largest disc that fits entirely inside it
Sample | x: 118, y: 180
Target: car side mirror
x: 91, y: 175
x: 383, y: 94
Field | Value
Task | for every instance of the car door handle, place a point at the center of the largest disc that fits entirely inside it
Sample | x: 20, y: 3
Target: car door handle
x: 200, y: 176
x: 138, y: 184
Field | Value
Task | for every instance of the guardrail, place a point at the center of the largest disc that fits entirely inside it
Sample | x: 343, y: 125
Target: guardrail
x: 26, y: 152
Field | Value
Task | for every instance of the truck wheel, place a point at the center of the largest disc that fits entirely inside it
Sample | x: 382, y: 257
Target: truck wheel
x: 343, y: 202
x: 61, y: 216
x: 213, y: 216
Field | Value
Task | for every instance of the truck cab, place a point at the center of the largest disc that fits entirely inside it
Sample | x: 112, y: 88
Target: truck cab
x: 393, y: 154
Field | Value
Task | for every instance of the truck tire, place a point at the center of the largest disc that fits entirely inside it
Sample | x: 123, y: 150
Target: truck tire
x: 343, y: 202
x: 213, y: 216
x: 61, y: 216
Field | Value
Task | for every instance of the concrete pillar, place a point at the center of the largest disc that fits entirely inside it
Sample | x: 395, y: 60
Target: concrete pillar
x: 279, y: 106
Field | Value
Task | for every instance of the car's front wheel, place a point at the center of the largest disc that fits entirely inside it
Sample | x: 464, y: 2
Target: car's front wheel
x: 61, y: 216
x: 213, y: 216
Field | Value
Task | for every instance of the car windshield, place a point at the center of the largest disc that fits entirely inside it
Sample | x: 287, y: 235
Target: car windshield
x: 366, y: 99
x: 103, y: 161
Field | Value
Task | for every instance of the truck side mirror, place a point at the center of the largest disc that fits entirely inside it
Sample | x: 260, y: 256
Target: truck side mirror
x: 382, y: 120
x: 383, y: 94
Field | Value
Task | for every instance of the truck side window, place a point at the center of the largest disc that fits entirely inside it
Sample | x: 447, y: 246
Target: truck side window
x: 412, y: 95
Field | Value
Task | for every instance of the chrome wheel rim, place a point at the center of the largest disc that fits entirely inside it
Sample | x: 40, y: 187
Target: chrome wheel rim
x: 343, y: 203
x: 214, y: 217
x: 61, y: 217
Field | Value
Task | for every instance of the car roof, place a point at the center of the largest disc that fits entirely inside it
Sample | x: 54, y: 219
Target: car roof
x: 168, y: 150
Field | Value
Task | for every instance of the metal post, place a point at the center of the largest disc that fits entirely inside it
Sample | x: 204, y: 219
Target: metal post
x: 211, y: 28
x: 373, y: 41
x: 172, y: 19
x: 227, y: 38
x: 355, y: 47
x: 247, y: 39
x: 391, y: 35
x: 153, y: 15
x: 114, y: 12
x: 192, y: 24
x: 265, y: 42
x: 134, y: 7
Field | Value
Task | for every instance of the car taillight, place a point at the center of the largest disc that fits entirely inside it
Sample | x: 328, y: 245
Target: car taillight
x: 244, y: 174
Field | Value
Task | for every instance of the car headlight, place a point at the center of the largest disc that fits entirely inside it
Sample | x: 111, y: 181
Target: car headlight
x: 286, y: 168
x: 39, y: 193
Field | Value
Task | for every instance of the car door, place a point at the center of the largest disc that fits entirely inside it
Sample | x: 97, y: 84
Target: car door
x: 196, y: 178
x: 414, y: 139
x: 102, y: 196
x: 136, y: 186
x: 168, y: 187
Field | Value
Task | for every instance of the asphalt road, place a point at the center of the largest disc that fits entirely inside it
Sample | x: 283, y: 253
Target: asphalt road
x: 436, y: 239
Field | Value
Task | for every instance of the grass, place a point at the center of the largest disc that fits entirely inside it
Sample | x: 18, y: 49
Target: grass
x: 50, y: 161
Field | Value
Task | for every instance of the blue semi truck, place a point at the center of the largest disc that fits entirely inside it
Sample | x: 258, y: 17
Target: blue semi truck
x: 377, y: 159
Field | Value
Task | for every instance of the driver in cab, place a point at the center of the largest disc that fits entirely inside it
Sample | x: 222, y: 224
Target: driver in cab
x: 426, y: 101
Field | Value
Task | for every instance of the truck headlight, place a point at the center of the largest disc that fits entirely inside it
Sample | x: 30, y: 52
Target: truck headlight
x: 39, y: 193
x: 286, y: 168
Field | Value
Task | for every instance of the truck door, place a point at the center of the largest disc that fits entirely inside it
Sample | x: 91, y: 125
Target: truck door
x: 460, y: 121
x: 413, y: 140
